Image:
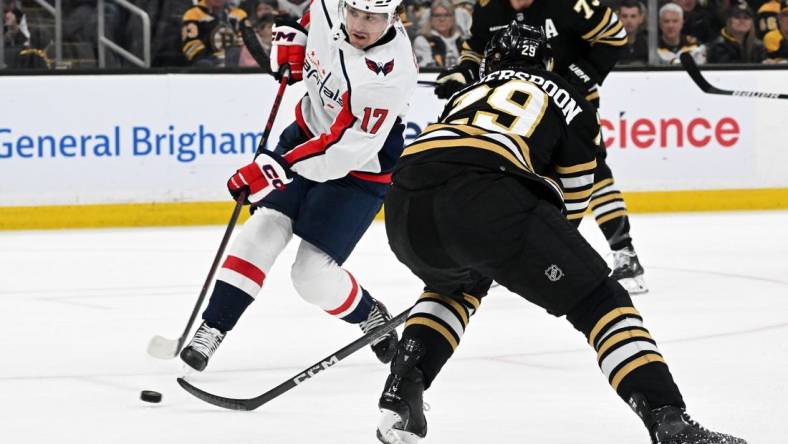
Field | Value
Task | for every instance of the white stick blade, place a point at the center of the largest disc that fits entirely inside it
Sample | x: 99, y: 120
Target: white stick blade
x: 162, y: 348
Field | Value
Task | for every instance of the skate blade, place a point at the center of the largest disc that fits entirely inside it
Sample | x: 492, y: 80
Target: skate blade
x: 388, y: 434
x: 635, y: 285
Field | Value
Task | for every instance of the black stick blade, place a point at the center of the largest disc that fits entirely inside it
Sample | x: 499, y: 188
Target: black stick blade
x: 692, y: 69
x: 219, y: 401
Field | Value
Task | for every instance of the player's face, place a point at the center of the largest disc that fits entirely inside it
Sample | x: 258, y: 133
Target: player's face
x: 631, y: 18
x: 519, y: 5
x: 364, y: 28
x: 670, y: 24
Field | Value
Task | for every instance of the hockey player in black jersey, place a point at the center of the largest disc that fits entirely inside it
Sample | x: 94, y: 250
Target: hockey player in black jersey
x: 587, y: 39
x: 490, y: 193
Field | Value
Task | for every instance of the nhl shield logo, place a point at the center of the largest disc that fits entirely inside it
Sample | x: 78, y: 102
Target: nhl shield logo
x: 554, y: 273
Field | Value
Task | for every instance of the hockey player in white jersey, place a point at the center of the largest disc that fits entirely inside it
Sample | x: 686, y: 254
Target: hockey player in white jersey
x: 327, y: 177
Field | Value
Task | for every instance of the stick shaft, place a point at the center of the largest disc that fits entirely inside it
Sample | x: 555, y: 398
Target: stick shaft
x: 301, y: 377
x: 234, y: 217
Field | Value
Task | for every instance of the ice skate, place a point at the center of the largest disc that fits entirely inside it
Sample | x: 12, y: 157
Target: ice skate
x: 628, y: 271
x: 386, y: 345
x: 401, y: 405
x: 672, y: 425
x: 202, y: 346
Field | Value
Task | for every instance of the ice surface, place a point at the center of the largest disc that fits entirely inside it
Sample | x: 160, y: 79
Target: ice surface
x: 78, y: 308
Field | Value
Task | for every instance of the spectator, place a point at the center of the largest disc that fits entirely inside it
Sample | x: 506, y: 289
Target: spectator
x: 262, y: 29
x: 257, y: 9
x: 776, y: 41
x: 736, y: 42
x: 15, y: 32
x: 440, y: 41
x: 699, y: 21
x: 632, y: 14
x: 166, y: 33
x: 417, y: 13
x: 673, y: 42
x: 463, y: 14
x: 17, y: 48
x: 294, y: 8
x: 766, y: 20
x: 210, y: 34
x: 266, y: 7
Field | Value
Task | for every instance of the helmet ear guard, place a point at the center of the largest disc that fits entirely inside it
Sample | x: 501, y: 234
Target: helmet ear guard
x: 517, y: 45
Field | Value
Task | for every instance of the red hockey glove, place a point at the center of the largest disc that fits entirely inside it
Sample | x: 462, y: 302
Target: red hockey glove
x: 267, y: 173
x: 288, y: 46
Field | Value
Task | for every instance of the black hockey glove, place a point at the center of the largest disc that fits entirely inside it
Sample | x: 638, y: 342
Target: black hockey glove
x: 455, y: 79
x: 582, y: 75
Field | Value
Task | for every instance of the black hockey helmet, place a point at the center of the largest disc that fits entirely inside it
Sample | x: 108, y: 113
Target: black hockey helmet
x: 517, y: 45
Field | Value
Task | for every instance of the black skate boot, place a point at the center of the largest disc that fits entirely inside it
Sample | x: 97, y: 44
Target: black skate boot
x: 202, y: 346
x: 672, y: 425
x: 628, y: 271
x: 386, y: 345
x: 401, y: 405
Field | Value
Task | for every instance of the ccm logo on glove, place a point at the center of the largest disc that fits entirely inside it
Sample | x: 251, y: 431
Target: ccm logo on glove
x: 267, y: 173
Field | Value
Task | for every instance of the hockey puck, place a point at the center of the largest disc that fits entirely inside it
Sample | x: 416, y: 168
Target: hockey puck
x: 150, y: 396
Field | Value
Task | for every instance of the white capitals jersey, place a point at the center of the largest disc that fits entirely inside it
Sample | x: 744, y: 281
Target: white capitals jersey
x: 354, y: 99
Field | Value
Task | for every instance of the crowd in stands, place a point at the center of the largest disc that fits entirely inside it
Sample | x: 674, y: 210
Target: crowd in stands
x: 204, y: 33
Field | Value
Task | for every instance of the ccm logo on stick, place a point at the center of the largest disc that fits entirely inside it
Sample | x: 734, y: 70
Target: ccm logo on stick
x: 316, y: 369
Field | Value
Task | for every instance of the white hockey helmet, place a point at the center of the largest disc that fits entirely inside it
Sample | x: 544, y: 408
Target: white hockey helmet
x: 375, y: 6
x: 386, y: 8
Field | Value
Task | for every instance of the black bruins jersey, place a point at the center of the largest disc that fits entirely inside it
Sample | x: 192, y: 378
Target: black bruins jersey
x: 525, y: 122
x: 207, y: 35
x: 579, y: 31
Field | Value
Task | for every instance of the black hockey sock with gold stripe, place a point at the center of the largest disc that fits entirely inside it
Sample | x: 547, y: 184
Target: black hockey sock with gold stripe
x: 439, y: 322
x: 627, y: 354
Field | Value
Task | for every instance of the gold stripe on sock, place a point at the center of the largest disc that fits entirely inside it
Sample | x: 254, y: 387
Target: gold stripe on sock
x: 605, y: 320
x: 629, y: 368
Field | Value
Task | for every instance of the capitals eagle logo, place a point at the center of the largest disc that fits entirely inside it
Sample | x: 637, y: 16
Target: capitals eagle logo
x: 378, y: 68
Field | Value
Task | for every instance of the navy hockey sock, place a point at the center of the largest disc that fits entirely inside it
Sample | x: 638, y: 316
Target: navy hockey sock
x: 361, y: 312
x: 438, y: 322
x: 226, y: 306
x: 626, y: 352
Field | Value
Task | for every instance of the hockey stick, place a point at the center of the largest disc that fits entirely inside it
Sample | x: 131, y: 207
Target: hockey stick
x: 303, y: 376
x: 692, y: 69
x: 163, y: 348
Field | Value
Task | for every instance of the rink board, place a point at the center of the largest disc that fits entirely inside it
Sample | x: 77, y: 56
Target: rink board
x: 132, y: 150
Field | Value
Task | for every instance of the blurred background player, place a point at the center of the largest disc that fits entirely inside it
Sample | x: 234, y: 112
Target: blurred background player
x: 471, y: 204
x: 588, y: 40
x: 326, y: 180
x: 210, y: 34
